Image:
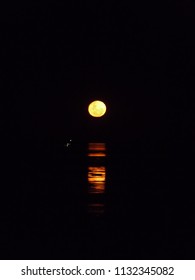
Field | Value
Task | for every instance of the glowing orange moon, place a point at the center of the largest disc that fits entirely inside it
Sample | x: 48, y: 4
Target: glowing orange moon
x: 97, y: 108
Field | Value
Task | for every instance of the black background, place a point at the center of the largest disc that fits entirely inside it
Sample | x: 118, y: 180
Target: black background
x: 137, y: 57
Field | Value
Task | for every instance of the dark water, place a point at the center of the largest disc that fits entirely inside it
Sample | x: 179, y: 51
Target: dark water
x: 98, y: 201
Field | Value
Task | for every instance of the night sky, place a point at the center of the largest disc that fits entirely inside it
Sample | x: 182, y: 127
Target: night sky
x: 137, y: 57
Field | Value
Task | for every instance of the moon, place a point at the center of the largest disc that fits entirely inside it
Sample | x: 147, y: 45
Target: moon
x: 97, y: 108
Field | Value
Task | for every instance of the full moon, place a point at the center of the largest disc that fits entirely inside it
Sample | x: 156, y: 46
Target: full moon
x: 97, y: 109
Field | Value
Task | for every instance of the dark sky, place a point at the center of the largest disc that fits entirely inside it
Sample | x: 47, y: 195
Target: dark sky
x: 137, y: 57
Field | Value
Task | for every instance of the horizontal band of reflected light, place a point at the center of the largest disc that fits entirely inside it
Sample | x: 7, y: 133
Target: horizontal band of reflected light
x: 95, y: 154
x: 96, y: 179
x: 97, y: 146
